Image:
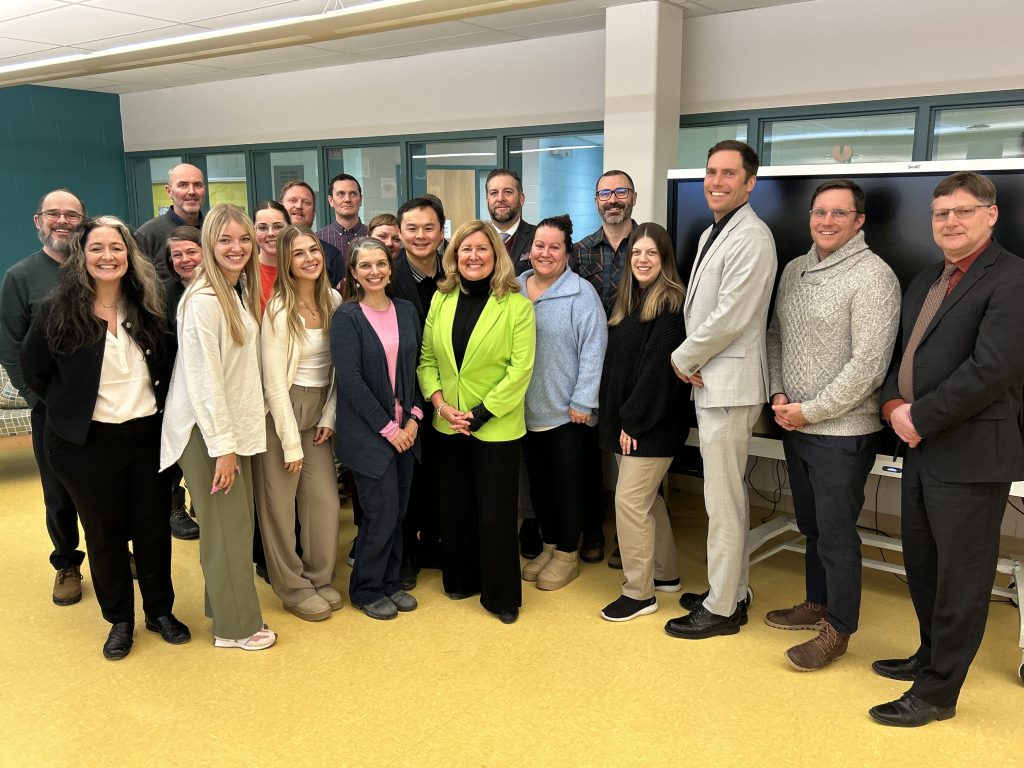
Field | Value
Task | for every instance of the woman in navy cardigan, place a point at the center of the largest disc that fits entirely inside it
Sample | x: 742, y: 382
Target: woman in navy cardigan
x: 99, y: 354
x: 375, y: 343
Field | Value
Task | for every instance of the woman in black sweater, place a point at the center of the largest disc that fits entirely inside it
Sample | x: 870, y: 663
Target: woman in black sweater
x: 641, y: 418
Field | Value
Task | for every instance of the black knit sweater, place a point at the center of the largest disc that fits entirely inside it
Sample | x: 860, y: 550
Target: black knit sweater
x: 640, y: 393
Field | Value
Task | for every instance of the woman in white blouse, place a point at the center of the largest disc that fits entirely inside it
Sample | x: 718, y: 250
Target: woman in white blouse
x: 215, y: 420
x: 297, y: 471
x: 99, y: 355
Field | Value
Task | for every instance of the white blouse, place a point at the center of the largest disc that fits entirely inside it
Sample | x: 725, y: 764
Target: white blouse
x: 126, y: 390
x: 314, y: 368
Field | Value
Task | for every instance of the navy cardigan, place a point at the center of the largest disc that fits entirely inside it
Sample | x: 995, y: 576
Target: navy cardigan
x: 366, y: 402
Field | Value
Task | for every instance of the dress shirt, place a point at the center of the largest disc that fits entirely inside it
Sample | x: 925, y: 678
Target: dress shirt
x: 125, y: 390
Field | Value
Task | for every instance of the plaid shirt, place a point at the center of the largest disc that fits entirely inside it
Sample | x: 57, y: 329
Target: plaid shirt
x: 340, y: 237
x: 594, y: 260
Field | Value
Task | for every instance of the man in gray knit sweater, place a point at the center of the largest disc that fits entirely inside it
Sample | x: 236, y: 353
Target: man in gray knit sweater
x: 829, y: 345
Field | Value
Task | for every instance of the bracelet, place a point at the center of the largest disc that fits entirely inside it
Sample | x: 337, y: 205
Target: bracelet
x: 442, y: 405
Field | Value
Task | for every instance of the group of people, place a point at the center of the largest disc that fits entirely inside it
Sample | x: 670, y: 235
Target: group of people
x: 252, y: 355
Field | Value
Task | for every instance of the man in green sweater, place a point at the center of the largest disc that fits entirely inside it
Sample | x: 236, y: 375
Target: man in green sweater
x: 829, y: 345
x: 25, y: 286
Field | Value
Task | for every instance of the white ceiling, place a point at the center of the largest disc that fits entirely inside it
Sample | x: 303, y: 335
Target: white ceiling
x: 88, y: 32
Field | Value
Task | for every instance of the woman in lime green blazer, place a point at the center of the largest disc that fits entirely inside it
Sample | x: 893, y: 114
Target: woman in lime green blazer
x: 476, y: 364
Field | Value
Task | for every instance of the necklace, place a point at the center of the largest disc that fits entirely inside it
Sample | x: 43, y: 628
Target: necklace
x: 314, y: 312
x: 106, y: 306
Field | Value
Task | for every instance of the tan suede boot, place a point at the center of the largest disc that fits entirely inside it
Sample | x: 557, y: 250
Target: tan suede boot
x: 533, y: 568
x: 560, y: 570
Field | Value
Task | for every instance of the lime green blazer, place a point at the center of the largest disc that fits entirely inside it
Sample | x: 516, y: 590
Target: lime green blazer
x: 496, y: 368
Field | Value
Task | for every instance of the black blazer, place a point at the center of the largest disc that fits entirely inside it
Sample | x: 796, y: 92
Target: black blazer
x: 69, y: 385
x: 968, y: 371
x: 404, y: 286
x: 366, y: 401
x: 520, y: 245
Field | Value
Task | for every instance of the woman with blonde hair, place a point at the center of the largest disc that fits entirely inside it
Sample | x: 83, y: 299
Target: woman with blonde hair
x: 215, y: 420
x: 476, y: 364
x: 641, y: 416
x: 297, y: 471
x: 99, y: 353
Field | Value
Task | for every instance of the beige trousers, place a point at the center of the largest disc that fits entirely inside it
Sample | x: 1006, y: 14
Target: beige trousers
x: 313, y: 491
x: 645, y: 535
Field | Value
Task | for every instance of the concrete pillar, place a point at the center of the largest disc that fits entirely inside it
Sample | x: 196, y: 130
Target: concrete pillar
x: 642, y: 85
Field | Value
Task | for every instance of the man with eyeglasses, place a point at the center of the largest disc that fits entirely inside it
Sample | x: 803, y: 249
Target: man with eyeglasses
x: 299, y: 200
x: 953, y: 395
x: 505, y: 200
x: 187, y: 190
x: 836, y: 315
x: 724, y: 358
x: 601, y: 258
x: 25, y: 286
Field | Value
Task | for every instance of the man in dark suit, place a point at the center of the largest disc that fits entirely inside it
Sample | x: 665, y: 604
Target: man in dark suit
x: 417, y: 271
x: 953, y: 394
x: 505, y: 200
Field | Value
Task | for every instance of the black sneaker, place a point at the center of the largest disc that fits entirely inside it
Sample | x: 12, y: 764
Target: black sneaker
x: 530, y: 544
x: 626, y: 608
x: 692, y: 600
x: 183, y: 526
x: 668, y: 585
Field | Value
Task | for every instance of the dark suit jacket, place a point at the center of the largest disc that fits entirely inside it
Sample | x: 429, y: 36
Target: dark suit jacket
x: 366, y: 401
x: 519, y: 247
x: 404, y: 286
x: 968, y: 371
x: 69, y: 385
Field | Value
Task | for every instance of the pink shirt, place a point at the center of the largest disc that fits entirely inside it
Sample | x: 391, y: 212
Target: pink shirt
x: 385, y: 325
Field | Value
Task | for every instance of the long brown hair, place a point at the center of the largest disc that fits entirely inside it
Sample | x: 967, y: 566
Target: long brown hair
x: 666, y: 292
x: 285, y: 297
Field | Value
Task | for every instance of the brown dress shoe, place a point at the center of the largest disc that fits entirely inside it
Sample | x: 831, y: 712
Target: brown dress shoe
x: 803, y: 616
x: 828, y: 646
x: 67, y: 586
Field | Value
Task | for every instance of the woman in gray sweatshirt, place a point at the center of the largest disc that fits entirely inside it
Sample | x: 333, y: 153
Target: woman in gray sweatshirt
x: 561, y: 403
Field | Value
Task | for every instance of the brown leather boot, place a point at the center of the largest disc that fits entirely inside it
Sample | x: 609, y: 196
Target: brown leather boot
x: 803, y: 616
x: 67, y: 586
x: 828, y: 646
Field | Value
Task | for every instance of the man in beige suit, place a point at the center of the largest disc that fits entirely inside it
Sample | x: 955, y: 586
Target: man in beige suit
x: 724, y: 358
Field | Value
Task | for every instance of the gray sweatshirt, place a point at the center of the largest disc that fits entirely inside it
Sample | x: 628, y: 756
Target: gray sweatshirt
x: 832, y: 335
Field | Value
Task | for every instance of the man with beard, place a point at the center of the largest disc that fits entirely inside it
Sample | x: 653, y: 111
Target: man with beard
x: 505, y: 200
x: 417, y: 271
x: 299, y: 200
x: 187, y: 190
x: 600, y: 258
x: 25, y: 286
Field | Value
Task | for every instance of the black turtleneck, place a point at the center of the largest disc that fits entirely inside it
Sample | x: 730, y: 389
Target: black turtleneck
x: 472, y: 299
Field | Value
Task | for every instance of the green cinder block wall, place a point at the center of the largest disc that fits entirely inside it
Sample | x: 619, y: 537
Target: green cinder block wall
x: 56, y: 137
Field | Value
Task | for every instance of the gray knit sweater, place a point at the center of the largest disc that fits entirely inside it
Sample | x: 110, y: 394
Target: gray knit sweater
x: 832, y: 336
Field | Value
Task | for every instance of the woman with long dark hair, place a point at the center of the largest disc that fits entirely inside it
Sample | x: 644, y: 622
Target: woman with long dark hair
x: 99, y: 355
x: 641, y: 416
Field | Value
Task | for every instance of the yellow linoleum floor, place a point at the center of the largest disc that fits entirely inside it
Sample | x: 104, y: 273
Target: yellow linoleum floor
x: 448, y: 685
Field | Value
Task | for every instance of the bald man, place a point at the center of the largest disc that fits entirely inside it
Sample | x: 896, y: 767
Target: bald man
x: 187, y: 190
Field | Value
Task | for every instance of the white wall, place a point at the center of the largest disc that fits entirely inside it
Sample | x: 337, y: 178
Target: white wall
x: 828, y: 51
x: 534, y: 82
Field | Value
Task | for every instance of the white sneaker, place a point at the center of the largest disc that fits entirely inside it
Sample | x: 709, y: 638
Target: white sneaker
x: 257, y: 641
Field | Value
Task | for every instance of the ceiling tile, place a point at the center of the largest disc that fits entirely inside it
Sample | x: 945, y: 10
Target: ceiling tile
x: 303, y: 65
x: 250, y: 15
x: 88, y: 83
x: 411, y: 35
x: 184, y: 11
x: 12, y: 9
x: 74, y: 23
x: 558, y: 27
x: 443, y: 44
x: 263, y: 58
x: 152, y: 35
x: 539, y: 15
x: 43, y: 51
x: 167, y: 72
x: 10, y: 47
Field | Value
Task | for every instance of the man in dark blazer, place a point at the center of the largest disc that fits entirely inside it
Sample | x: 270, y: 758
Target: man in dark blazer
x: 953, y: 394
x: 505, y: 200
x: 417, y: 271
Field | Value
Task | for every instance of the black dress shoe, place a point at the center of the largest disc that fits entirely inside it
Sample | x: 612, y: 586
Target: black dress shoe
x: 909, y: 711
x: 170, y: 629
x: 407, y: 573
x: 592, y: 550
x: 119, y: 641
x: 507, y: 617
x: 691, y: 600
x: 702, y: 623
x: 530, y: 544
x: 459, y: 595
x: 898, y: 669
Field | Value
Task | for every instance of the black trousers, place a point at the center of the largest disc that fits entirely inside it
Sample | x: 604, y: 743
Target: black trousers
x: 174, y: 477
x: 827, y: 475
x: 593, y: 488
x: 422, y: 525
x: 950, y: 548
x: 115, y: 482
x: 61, y: 515
x: 379, y: 543
x: 554, y: 461
x: 479, y: 515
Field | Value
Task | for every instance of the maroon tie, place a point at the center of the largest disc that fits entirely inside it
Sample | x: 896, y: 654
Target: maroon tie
x: 931, y: 305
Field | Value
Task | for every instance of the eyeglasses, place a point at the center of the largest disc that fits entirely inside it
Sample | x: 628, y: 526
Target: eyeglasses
x: 961, y: 211
x: 73, y: 217
x: 277, y: 226
x: 620, y: 192
x: 839, y: 214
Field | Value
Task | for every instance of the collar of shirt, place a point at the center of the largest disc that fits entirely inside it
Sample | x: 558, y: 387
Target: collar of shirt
x: 511, y: 231
x: 173, y: 216
x: 348, y: 232
x: 419, y: 277
x: 719, y: 225
x: 965, y: 263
